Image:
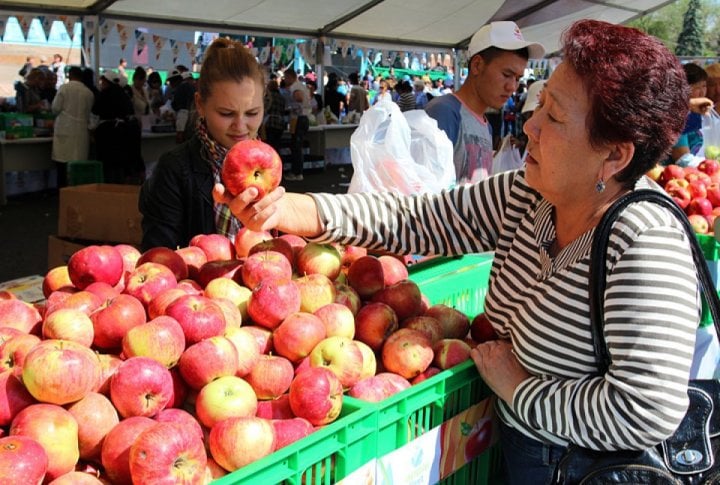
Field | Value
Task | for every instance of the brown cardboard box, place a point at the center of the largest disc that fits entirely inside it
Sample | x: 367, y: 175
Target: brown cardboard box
x: 100, y: 212
x: 60, y: 250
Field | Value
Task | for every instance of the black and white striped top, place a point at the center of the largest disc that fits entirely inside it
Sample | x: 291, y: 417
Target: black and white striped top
x: 541, y: 303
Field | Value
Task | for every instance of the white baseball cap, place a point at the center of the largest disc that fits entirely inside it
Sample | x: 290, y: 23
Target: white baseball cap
x: 503, y: 35
x: 533, y: 96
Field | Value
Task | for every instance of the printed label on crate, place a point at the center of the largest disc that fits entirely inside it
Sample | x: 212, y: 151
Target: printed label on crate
x: 365, y: 475
x: 467, y: 435
x: 417, y: 462
x: 27, y: 289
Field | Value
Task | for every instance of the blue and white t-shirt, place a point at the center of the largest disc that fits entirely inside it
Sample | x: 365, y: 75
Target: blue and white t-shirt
x: 470, y: 135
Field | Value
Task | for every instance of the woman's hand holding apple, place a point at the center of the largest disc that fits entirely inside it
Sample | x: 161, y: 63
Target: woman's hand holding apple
x: 287, y: 212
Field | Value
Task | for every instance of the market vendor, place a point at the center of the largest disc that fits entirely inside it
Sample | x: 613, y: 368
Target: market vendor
x: 590, y: 141
x: 176, y: 200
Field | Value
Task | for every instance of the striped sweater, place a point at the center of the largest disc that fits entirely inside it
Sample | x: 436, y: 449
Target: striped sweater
x: 541, y: 303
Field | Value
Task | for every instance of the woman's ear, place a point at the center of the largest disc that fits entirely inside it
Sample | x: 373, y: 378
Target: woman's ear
x: 618, y: 158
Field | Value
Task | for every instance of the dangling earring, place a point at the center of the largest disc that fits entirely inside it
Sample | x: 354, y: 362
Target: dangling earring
x: 600, y: 186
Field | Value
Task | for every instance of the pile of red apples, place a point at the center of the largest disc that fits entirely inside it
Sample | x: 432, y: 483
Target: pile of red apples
x: 695, y: 189
x: 180, y: 366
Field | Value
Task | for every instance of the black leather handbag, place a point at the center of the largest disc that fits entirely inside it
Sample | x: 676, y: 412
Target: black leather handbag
x: 690, y: 455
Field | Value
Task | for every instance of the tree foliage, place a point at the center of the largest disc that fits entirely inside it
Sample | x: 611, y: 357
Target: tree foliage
x: 667, y: 24
x: 690, y: 40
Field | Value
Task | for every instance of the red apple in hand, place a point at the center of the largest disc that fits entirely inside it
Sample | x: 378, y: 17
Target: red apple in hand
x: 251, y: 163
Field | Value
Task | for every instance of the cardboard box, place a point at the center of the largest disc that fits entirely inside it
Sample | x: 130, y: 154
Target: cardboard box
x: 60, y: 250
x: 100, y: 212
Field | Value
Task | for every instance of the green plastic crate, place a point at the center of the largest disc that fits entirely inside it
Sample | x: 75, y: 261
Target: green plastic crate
x: 460, y: 282
x: 81, y: 172
x: 711, y: 250
x: 326, y: 456
x: 365, y: 430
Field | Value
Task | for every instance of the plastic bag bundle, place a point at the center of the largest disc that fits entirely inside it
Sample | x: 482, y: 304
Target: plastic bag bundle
x: 400, y: 152
x: 711, y: 135
x: 507, y: 157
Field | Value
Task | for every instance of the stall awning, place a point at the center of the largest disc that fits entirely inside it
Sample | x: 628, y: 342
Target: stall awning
x: 420, y: 23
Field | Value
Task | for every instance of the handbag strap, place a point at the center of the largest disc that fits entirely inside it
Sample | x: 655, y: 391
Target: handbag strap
x: 598, y: 274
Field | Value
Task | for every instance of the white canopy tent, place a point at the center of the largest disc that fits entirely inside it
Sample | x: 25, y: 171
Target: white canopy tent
x: 447, y: 24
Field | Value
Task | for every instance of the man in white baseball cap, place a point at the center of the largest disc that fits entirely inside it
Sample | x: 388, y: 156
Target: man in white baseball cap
x: 498, y: 55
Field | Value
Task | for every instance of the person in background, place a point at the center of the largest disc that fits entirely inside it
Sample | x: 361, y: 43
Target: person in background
x: 498, y: 58
x: 383, y: 94
x: 357, y: 98
x: 88, y: 79
x: 690, y: 141
x: 71, y: 139
x: 333, y: 98
x: 508, y: 117
x: 121, y: 69
x: 48, y: 90
x: 590, y: 141
x: 421, y: 98
x: 183, y: 92
x: 713, y: 82
x: 299, y: 106
x: 406, y: 98
x: 176, y: 201
x: 155, y: 94
x: 275, y: 121
x: 141, y: 104
x: 58, y: 67
x: 118, y: 133
x: 29, y: 93
x: 26, y: 68
x: 43, y: 64
x: 531, y: 101
x: 316, y: 101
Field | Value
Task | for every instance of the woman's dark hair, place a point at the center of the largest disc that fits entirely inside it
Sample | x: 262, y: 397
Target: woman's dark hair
x: 694, y: 73
x: 637, y: 89
x: 140, y: 74
x: 154, y: 78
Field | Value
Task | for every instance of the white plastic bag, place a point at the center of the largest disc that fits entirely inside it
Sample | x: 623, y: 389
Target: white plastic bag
x: 711, y: 136
x: 507, y: 157
x: 400, y: 152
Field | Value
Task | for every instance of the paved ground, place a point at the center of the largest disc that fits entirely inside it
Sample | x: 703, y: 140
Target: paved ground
x: 27, y: 220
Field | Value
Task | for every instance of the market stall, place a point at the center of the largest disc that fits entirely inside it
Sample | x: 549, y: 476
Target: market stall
x: 25, y: 155
x: 31, y: 157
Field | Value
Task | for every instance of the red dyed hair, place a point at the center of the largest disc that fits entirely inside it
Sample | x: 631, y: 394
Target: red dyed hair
x: 637, y: 88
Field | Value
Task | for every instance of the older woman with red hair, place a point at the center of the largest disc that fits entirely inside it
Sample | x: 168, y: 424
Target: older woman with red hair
x: 610, y: 111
